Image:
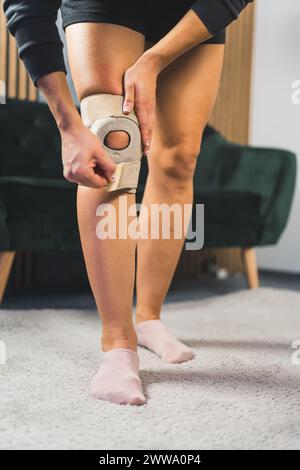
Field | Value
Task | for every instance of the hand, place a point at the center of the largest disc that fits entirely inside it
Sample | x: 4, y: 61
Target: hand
x: 140, y: 94
x: 85, y: 161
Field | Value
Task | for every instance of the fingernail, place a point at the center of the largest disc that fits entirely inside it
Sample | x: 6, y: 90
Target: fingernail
x: 147, y: 143
x: 126, y: 108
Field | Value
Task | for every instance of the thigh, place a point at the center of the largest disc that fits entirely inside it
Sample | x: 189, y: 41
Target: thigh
x: 186, y: 94
x: 99, y: 54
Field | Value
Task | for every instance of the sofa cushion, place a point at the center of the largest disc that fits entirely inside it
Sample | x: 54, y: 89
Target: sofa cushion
x: 41, y: 214
x: 231, y: 218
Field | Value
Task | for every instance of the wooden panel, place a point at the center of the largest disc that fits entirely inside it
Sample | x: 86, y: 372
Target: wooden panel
x: 232, y: 110
x: 22, y: 81
x: 3, y: 47
x: 12, y: 70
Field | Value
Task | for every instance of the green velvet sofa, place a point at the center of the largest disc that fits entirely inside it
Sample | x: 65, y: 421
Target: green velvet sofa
x: 247, y: 191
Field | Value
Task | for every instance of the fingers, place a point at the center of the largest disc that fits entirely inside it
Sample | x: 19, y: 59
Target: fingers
x: 85, y: 176
x: 105, y: 166
x: 145, y: 118
x: 144, y: 108
x: 94, y: 180
x: 128, y: 103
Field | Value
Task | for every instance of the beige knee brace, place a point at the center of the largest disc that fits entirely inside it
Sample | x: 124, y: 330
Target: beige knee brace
x: 102, y: 114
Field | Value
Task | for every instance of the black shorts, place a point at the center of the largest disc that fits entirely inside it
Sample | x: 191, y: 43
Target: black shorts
x: 152, y: 18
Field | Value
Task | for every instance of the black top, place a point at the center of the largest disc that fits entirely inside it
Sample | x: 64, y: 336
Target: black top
x: 33, y: 23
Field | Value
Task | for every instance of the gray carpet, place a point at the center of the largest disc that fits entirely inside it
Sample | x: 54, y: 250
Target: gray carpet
x: 241, y: 391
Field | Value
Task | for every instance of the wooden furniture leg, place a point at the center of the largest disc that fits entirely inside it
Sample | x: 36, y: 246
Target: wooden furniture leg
x: 249, y: 260
x: 6, y: 261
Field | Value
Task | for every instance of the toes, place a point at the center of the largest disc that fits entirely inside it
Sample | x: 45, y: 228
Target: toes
x: 179, y: 357
x: 117, y: 394
x: 137, y: 401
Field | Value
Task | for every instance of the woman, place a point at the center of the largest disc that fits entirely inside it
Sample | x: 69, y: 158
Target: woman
x: 166, y: 58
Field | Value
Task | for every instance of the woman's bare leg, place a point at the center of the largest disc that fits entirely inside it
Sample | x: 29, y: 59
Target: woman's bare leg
x: 186, y: 94
x: 99, y: 54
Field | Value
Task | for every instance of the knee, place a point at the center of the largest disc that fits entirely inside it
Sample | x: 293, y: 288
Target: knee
x: 178, y: 162
x: 117, y: 140
x: 112, y: 85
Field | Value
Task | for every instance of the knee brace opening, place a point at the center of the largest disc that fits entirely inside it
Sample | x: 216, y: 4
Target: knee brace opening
x: 117, y: 140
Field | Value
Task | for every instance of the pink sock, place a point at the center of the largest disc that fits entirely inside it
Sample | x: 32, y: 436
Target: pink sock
x: 154, y: 335
x: 118, y: 379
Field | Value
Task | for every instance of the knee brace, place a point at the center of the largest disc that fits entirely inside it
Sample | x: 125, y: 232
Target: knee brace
x: 103, y: 114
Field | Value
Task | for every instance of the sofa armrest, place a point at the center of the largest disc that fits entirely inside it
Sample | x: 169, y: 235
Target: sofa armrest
x: 271, y: 173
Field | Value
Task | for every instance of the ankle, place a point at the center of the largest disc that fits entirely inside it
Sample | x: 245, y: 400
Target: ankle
x: 146, y: 316
x: 124, y: 340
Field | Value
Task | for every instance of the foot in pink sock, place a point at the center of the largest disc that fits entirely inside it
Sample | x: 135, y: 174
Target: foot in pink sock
x: 118, y: 378
x: 154, y: 335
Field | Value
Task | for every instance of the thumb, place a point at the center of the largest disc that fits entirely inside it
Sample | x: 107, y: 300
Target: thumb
x: 105, y: 166
x: 128, y: 103
x: 93, y: 180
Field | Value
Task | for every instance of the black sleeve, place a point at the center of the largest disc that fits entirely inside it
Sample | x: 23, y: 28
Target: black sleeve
x: 217, y: 14
x: 33, y: 23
